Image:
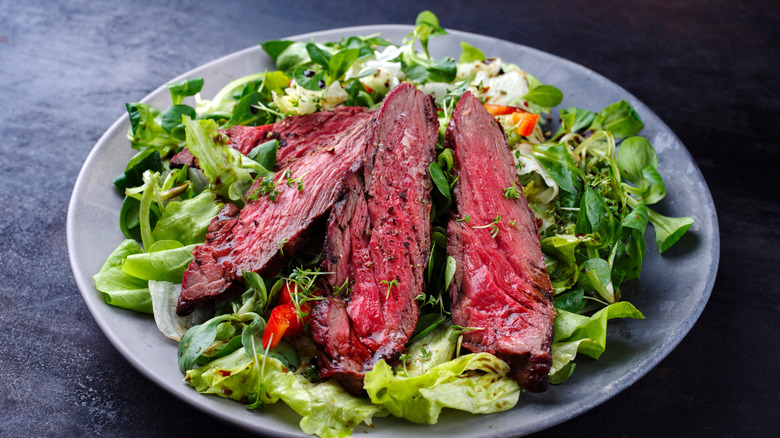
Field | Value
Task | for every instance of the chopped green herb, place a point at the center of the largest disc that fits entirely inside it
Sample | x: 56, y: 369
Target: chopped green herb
x: 389, y: 285
x: 493, y: 226
x: 512, y: 192
x: 267, y: 187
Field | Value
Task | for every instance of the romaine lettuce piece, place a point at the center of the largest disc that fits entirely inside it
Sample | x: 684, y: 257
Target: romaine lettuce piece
x: 228, y: 179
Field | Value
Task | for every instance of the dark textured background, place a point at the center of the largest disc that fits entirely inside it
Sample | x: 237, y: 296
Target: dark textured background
x: 709, y: 69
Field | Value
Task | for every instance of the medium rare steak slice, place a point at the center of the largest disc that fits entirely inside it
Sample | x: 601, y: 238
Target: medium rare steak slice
x: 301, y: 134
x: 276, y: 219
x: 378, y: 242
x: 297, y: 135
x: 500, y: 283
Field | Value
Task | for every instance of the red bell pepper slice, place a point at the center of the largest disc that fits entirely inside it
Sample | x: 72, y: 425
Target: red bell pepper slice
x: 284, y: 321
x: 500, y: 110
x: 525, y: 120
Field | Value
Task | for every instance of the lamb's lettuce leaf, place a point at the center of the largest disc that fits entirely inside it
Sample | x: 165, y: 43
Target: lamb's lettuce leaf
x: 575, y: 333
x: 187, y: 87
x: 545, y: 96
x: 469, y: 53
x: 620, y: 118
x: 148, y: 159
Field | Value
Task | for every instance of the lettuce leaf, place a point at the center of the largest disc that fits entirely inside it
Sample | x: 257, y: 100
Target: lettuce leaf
x: 165, y: 265
x: 475, y: 383
x: 335, y: 412
x: 327, y: 410
x: 223, y: 169
x: 164, y: 298
x: 433, y: 349
x: 187, y: 221
x: 121, y: 289
x: 428, y: 380
x: 575, y: 333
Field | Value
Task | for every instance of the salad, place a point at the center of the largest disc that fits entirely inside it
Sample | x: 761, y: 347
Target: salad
x: 589, y: 184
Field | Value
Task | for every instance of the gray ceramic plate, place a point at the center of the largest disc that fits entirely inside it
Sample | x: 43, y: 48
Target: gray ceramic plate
x: 672, y: 292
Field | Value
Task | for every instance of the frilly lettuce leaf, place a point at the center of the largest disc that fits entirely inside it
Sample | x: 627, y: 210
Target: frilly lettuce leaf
x: 429, y: 381
x: 334, y: 412
x: 327, y: 410
x: 475, y: 383
x: 222, y: 168
x: 575, y: 333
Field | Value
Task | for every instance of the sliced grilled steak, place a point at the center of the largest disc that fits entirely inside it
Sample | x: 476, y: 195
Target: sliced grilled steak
x: 301, y: 134
x: 378, y: 242
x: 297, y: 135
x: 500, y: 283
x: 267, y: 231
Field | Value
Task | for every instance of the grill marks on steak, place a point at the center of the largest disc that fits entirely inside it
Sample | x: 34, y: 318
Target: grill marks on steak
x: 266, y: 233
x: 500, y: 283
x: 378, y: 242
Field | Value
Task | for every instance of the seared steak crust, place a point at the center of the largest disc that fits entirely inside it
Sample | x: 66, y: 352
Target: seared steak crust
x: 267, y: 232
x: 378, y: 242
x: 500, y: 284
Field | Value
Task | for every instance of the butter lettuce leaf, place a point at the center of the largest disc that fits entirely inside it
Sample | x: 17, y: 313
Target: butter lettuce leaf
x: 121, y: 289
x: 335, y: 412
x: 433, y: 349
x: 475, y: 383
x: 166, y: 265
x: 327, y: 410
x: 187, y: 221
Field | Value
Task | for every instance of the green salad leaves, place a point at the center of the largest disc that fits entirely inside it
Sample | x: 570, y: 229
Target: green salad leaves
x: 590, y: 186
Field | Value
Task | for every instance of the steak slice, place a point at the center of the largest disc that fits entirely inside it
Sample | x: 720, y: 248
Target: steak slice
x: 268, y: 231
x: 378, y: 243
x: 500, y: 284
x: 297, y: 135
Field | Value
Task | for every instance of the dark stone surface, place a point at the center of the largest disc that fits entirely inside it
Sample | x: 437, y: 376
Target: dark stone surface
x: 708, y: 68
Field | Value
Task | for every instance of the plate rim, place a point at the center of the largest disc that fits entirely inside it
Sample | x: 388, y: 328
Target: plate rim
x: 86, y: 286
